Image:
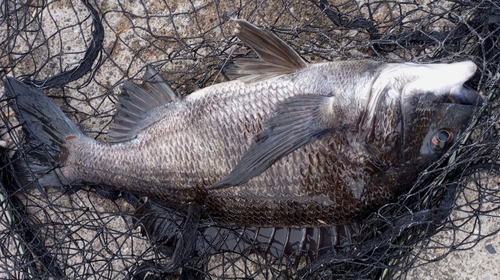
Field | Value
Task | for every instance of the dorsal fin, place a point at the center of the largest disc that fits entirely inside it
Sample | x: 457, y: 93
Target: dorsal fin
x: 135, y: 103
x: 276, y: 57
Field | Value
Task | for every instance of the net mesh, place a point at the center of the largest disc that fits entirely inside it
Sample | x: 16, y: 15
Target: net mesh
x: 79, y: 52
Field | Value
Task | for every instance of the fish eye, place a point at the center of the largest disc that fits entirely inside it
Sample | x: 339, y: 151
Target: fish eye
x: 441, y: 140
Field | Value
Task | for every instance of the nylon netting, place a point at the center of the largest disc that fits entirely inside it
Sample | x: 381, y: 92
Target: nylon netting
x: 79, y: 52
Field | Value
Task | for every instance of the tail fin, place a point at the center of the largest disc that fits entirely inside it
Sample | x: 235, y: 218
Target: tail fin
x: 46, y: 128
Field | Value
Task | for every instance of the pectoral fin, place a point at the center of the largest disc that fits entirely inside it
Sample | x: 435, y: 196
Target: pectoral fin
x: 298, y: 121
x: 276, y: 57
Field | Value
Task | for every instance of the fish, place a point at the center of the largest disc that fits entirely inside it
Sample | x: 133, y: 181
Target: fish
x: 287, y: 144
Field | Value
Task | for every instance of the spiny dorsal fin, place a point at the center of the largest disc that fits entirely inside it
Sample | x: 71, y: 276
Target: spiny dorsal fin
x: 135, y: 103
x: 276, y: 57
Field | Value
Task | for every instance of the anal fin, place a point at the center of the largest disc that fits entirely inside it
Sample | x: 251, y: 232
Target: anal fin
x: 135, y: 103
x: 298, y: 121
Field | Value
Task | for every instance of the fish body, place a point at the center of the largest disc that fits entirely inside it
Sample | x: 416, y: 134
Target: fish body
x: 290, y: 144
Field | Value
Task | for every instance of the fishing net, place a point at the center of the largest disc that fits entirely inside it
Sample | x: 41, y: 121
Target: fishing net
x: 79, y: 53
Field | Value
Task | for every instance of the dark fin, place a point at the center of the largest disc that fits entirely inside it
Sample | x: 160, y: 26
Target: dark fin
x: 135, y: 104
x: 46, y: 128
x: 175, y: 231
x: 276, y: 57
x: 298, y: 121
x: 159, y: 224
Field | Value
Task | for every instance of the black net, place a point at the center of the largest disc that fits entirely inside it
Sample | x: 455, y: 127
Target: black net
x: 79, y: 52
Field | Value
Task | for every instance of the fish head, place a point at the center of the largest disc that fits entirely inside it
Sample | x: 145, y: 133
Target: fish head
x: 436, y: 109
x: 423, y: 109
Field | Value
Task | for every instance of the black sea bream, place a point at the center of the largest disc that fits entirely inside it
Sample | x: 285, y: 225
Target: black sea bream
x: 288, y: 144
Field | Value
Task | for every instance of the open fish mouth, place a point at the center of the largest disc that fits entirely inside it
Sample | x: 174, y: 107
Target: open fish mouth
x: 464, y: 96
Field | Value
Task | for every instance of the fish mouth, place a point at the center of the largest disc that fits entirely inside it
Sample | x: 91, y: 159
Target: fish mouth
x: 463, y: 96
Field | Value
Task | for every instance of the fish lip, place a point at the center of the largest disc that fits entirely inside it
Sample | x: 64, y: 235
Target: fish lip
x: 471, y: 97
x: 464, y: 70
x: 464, y: 96
x: 469, y: 68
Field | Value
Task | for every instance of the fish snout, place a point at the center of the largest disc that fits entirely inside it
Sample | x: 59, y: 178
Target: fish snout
x: 456, y: 74
x: 465, y: 69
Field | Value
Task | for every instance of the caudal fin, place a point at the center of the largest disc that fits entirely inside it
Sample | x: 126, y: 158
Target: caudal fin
x: 46, y: 127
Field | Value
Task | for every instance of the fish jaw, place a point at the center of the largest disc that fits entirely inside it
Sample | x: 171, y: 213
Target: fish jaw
x: 438, y: 78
